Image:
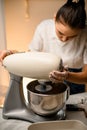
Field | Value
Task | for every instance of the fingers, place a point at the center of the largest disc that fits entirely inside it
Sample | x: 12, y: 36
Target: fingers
x: 4, y: 53
x: 66, y: 68
x: 13, y: 51
x: 56, y: 76
x: 9, y: 52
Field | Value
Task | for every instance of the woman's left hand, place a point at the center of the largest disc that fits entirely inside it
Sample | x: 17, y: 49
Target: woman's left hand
x: 57, y: 76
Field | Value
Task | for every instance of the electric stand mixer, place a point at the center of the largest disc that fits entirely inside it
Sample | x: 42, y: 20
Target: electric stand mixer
x: 15, y: 106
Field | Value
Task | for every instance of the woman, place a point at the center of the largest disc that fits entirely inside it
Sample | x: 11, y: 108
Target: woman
x: 66, y: 37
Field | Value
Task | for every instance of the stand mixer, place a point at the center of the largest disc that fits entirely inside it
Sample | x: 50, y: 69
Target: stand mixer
x: 15, y: 106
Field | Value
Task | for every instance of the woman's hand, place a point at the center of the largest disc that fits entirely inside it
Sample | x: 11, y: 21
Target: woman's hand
x: 4, y: 53
x: 57, y: 76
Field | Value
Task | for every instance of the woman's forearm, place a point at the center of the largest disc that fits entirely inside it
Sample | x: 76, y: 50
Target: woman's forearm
x: 80, y: 78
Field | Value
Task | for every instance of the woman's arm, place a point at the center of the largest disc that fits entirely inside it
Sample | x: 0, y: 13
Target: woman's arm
x: 80, y: 77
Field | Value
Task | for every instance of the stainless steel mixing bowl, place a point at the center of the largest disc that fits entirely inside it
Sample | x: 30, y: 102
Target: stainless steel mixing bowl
x: 49, y: 101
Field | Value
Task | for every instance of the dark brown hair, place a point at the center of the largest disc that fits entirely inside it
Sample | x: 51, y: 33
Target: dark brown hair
x: 73, y: 14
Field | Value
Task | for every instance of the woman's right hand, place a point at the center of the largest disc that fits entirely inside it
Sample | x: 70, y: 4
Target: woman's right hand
x: 4, y: 53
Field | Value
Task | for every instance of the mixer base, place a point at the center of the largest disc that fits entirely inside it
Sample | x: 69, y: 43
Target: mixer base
x: 15, y: 106
x: 29, y: 115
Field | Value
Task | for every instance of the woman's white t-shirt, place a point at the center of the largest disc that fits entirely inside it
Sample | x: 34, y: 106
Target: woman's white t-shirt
x: 73, y: 52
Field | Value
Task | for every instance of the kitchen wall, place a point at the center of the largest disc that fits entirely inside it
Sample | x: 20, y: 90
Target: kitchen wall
x: 3, y: 73
x: 19, y: 27
x: 21, y: 19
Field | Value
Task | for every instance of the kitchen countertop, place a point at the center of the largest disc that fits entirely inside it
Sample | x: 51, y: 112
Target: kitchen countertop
x: 13, y: 124
x: 23, y: 125
x: 77, y: 115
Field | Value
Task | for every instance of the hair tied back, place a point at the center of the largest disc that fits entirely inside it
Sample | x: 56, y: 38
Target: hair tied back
x: 75, y: 1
